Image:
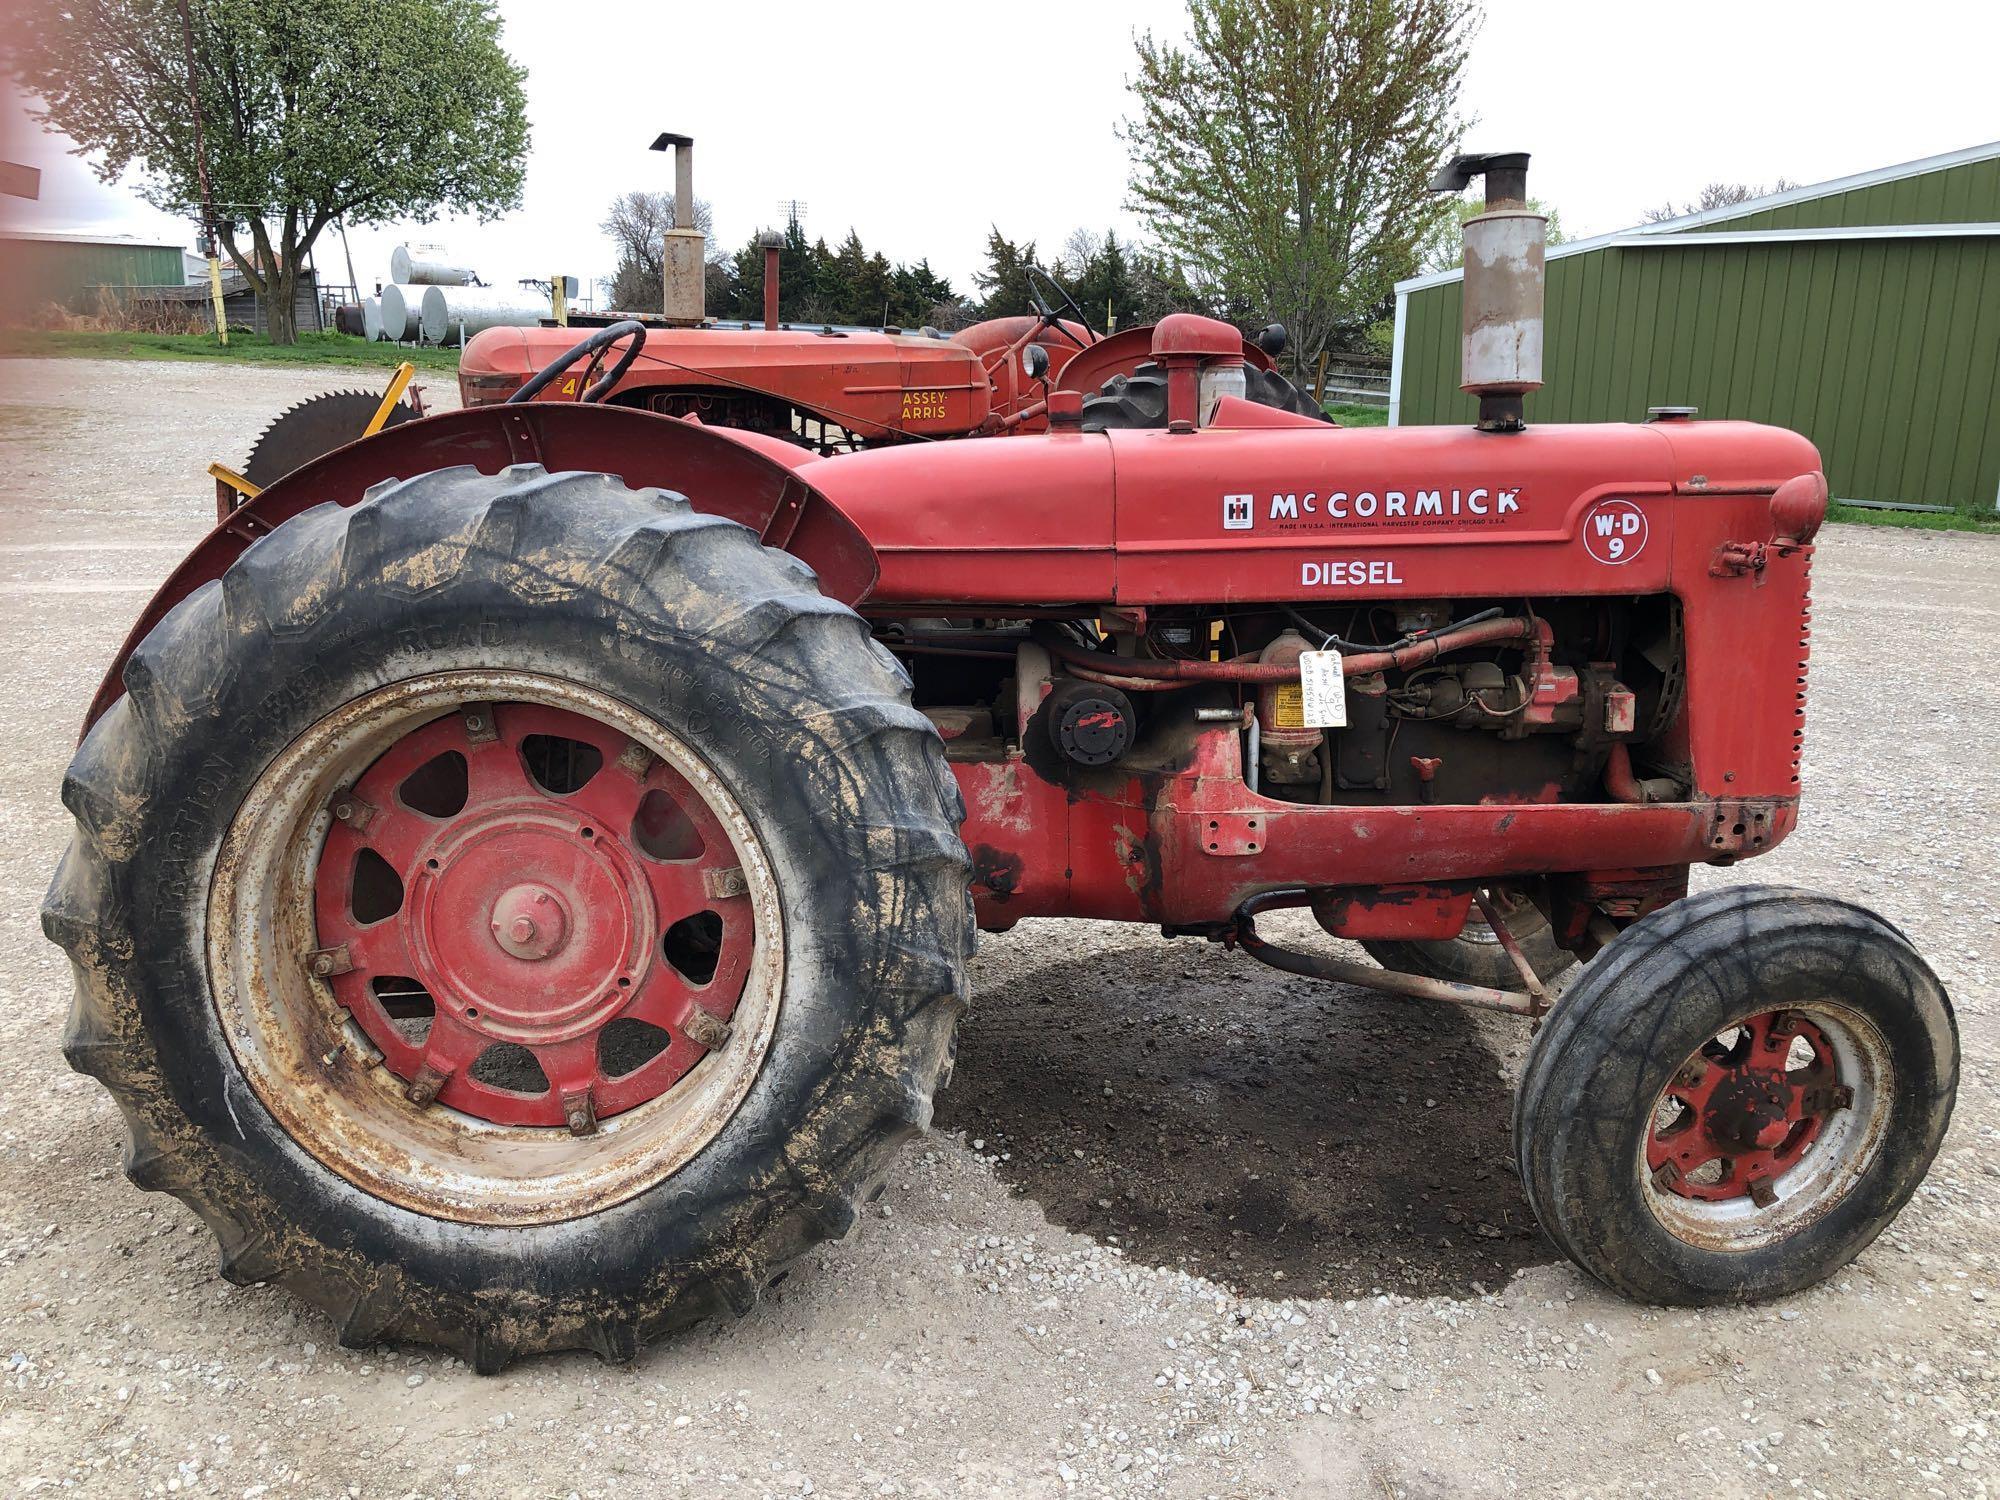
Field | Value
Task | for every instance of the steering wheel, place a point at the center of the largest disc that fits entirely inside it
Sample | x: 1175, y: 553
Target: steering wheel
x: 599, y: 341
x: 1049, y: 316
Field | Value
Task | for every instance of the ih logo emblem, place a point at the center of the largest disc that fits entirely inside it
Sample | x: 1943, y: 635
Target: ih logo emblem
x: 1614, y: 531
x: 1238, y: 512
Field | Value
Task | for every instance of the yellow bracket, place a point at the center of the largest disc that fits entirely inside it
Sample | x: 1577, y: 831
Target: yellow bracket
x: 398, y: 383
x: 223, y: 474
x: 227, y: 478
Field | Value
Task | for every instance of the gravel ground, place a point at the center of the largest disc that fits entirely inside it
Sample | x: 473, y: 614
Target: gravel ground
x: 1105, y: 1272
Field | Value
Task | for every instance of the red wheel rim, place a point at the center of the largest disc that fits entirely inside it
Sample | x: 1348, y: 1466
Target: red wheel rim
x: 1745, y: 1109
x: 517, y: 890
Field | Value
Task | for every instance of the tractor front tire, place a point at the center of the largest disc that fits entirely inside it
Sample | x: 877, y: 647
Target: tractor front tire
x: 516, y: 913
x: 1736, y: 1096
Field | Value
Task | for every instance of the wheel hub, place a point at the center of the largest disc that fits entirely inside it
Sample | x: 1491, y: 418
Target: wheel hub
x: 1752, y: 1109
x: 530, y: 960
x: 519, y: 879
x: 1745, y: 1109
x: 529, y: 922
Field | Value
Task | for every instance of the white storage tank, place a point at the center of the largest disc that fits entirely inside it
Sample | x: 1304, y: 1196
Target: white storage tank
x: 473, y: 309
x: 402, y: 312
x: 425, y: 265
x: 371, y: 319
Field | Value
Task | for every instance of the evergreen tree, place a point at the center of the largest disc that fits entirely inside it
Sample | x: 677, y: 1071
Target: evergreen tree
x: 1004, y: 282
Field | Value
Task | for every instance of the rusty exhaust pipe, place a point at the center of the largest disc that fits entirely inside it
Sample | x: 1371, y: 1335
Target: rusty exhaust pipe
x: 1242, y: 933
x: 771, y: 243
x: 1505, y: 250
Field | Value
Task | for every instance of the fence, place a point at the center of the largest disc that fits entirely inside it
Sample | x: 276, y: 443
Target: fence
x: 241, y: 307
x: 1353, y: 379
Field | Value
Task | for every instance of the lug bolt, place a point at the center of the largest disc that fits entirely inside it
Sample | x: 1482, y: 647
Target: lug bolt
x: 424, y: 1087
x: 704, y: 1030
x: 322, y: 964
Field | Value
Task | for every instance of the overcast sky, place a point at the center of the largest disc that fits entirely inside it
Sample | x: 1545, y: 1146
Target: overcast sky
x: 922, y: 126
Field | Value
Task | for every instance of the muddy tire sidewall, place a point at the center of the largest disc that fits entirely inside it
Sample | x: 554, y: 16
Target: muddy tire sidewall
x: 840, y: 1080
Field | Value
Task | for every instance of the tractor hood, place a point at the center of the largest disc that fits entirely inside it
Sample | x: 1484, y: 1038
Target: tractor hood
x: 1310, y: 513
x: 871, y: 382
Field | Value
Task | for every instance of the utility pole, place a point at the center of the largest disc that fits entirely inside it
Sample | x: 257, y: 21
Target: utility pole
x: 208, y: 238
x: 348, y: 251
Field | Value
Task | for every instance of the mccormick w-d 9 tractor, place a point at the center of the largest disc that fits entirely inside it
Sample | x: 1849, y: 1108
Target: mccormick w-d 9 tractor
x: 525, y: 861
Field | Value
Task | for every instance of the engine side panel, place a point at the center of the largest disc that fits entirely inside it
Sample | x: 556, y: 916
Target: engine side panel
x: 1189, y: 850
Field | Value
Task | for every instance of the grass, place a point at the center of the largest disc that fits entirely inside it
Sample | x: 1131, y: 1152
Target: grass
x: 1348, y: 414
x: 244, y: 348
x: 1918, y: 520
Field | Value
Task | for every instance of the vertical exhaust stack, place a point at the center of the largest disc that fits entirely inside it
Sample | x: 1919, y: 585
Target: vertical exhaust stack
x: 772, y: 244
x: 685, y: 280
x: 1504, y: 286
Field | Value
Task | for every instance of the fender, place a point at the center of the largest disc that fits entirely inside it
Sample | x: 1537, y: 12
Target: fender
x: 717, y: 473
x: 1123, y: 352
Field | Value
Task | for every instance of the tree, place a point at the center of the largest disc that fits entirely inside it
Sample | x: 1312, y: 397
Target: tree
x: 1098, y: 274
x: 917, y: 293
x: 1160, y: 286
x: 795, y: 274
x: 1717, y: 195
x: 1444, y: 247
x: 358, y: 110
x: 637, y: 224
x: 1005, y: 279
x: 1282, y: 157
x: 851, y: 284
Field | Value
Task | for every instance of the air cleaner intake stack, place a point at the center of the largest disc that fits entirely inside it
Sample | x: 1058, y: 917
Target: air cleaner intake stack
x: 1504, y: 248
x: 684, y: 268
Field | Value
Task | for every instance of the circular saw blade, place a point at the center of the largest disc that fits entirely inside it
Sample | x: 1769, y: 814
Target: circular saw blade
x: 316, y: 426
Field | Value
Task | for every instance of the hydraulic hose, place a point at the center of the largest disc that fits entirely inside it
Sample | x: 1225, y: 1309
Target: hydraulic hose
x: 1152, y: 670
x: 1297, y: 617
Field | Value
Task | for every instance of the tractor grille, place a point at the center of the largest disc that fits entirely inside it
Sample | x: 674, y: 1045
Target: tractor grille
x: 1805, y: 652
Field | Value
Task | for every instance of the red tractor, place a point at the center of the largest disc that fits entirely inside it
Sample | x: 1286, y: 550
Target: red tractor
x: 838, y: 389
x: 525, y: 861
x: 833, y: 390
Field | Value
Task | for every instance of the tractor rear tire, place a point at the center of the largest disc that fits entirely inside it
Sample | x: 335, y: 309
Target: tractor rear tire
x: 1736, y: 1096
x: 1475, y: 955
x: 211, y: 801
x: 1140, y: 399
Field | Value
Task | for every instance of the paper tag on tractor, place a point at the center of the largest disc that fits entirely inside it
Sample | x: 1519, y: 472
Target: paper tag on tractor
x: 1323, y: 689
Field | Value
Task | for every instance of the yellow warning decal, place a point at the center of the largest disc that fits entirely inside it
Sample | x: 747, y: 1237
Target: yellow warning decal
x: 1289, y: 709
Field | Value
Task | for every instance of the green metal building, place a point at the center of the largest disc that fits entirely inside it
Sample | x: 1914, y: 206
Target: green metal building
x: 67, y: 269
x: 1864, y: 313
